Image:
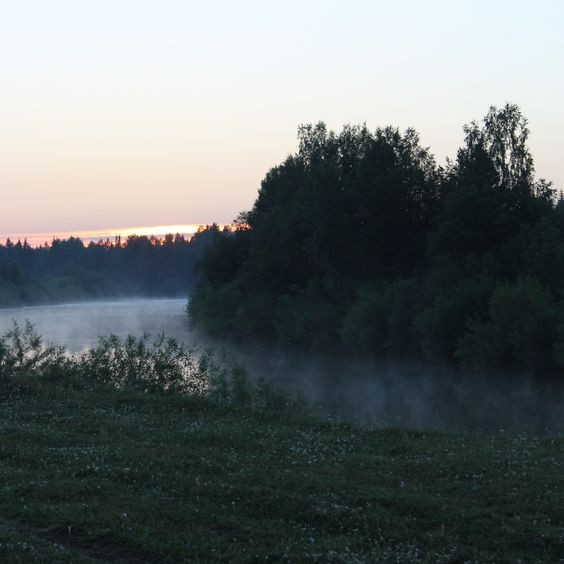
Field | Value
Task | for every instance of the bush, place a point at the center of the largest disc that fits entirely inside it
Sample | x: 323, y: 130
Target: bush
x: 163, y: 365
x: 305, y: 320
x: 558, y: 348
x: 444, y: 322
x: 365, y: 326
x: 158, y: 366
x: 23, y: 353
x: 380, y: 320
x: 519, y: 332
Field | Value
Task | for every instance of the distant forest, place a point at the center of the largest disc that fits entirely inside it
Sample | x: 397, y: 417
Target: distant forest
x: 66, y: 270
x: 360, y: 243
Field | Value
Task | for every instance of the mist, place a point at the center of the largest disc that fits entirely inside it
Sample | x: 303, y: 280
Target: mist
x: 79, y: 325
x: 369, y: 393
x: 412, y: 395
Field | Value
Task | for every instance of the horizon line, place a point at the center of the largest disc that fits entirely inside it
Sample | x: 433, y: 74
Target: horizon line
x: 36, y: 239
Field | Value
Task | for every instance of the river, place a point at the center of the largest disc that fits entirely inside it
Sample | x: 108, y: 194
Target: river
x: 379, y: 394
x: 78, y: 326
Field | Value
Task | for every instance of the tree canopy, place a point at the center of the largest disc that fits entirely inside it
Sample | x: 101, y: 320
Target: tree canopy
x: 360, y: 242
x: 70, y: 270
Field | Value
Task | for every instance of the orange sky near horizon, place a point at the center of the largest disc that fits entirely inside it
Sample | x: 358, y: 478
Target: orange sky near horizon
x: 155, y: 113
x: 37, y: 239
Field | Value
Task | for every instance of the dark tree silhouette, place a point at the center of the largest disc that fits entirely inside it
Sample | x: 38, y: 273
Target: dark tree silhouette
x: 359, y: 242
x: 69, y: 270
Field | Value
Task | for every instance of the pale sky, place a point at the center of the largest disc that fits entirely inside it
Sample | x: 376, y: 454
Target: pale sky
x: 138, y: 112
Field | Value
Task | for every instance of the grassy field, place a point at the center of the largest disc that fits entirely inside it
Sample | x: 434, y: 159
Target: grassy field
x: 93, y: 474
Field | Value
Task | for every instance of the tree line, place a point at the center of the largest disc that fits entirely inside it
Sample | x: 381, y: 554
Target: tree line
x: 67, y: 269
x: 360, y: 243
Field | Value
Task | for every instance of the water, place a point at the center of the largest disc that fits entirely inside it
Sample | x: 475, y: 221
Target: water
x: 383, y: 394
x: 78, y: 326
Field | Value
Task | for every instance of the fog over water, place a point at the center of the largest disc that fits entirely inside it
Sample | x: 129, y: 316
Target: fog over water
x: 371, y: 393
x: 78, y: 326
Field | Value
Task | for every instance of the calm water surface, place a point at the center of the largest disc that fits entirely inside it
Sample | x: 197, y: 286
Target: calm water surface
x: 78, y: 326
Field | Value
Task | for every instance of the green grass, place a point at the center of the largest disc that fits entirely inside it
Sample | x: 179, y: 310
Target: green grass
x: 94, y: 474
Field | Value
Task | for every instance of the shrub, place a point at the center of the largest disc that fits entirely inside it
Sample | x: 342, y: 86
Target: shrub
x: 22, y: 353
x: 444, y: 322
x: 307, y: 321
x: 161, y: 366
x: 151, y: 366
x: 365, y: 326
x: 380, y: 320
x: 519, y: 332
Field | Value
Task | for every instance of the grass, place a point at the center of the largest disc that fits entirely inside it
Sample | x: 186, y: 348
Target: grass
x: 90, y: 474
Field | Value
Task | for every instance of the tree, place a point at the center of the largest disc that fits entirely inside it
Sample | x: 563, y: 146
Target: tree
x: 504, y: 137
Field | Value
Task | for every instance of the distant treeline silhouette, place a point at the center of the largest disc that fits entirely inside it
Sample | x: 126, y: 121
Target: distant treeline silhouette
x: 360, y: 243
x: 70, y: 270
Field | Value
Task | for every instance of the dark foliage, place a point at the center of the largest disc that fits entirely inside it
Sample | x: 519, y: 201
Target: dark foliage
x: 69, y: 270
x: 359, y: 242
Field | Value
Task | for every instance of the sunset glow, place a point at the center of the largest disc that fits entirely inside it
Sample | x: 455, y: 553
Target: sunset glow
x: 147, y: 113
x: 37, y: 239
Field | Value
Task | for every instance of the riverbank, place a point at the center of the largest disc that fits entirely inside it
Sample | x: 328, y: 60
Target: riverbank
x: 94, y: 474
x: 361, y: 392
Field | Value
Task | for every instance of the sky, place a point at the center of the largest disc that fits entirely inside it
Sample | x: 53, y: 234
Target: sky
x: 128, y: 113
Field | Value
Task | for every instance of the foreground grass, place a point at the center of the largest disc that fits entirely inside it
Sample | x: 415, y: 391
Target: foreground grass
x: 90, y: 475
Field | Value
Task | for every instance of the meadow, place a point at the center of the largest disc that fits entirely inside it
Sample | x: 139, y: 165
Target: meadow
x: 141, y: 468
